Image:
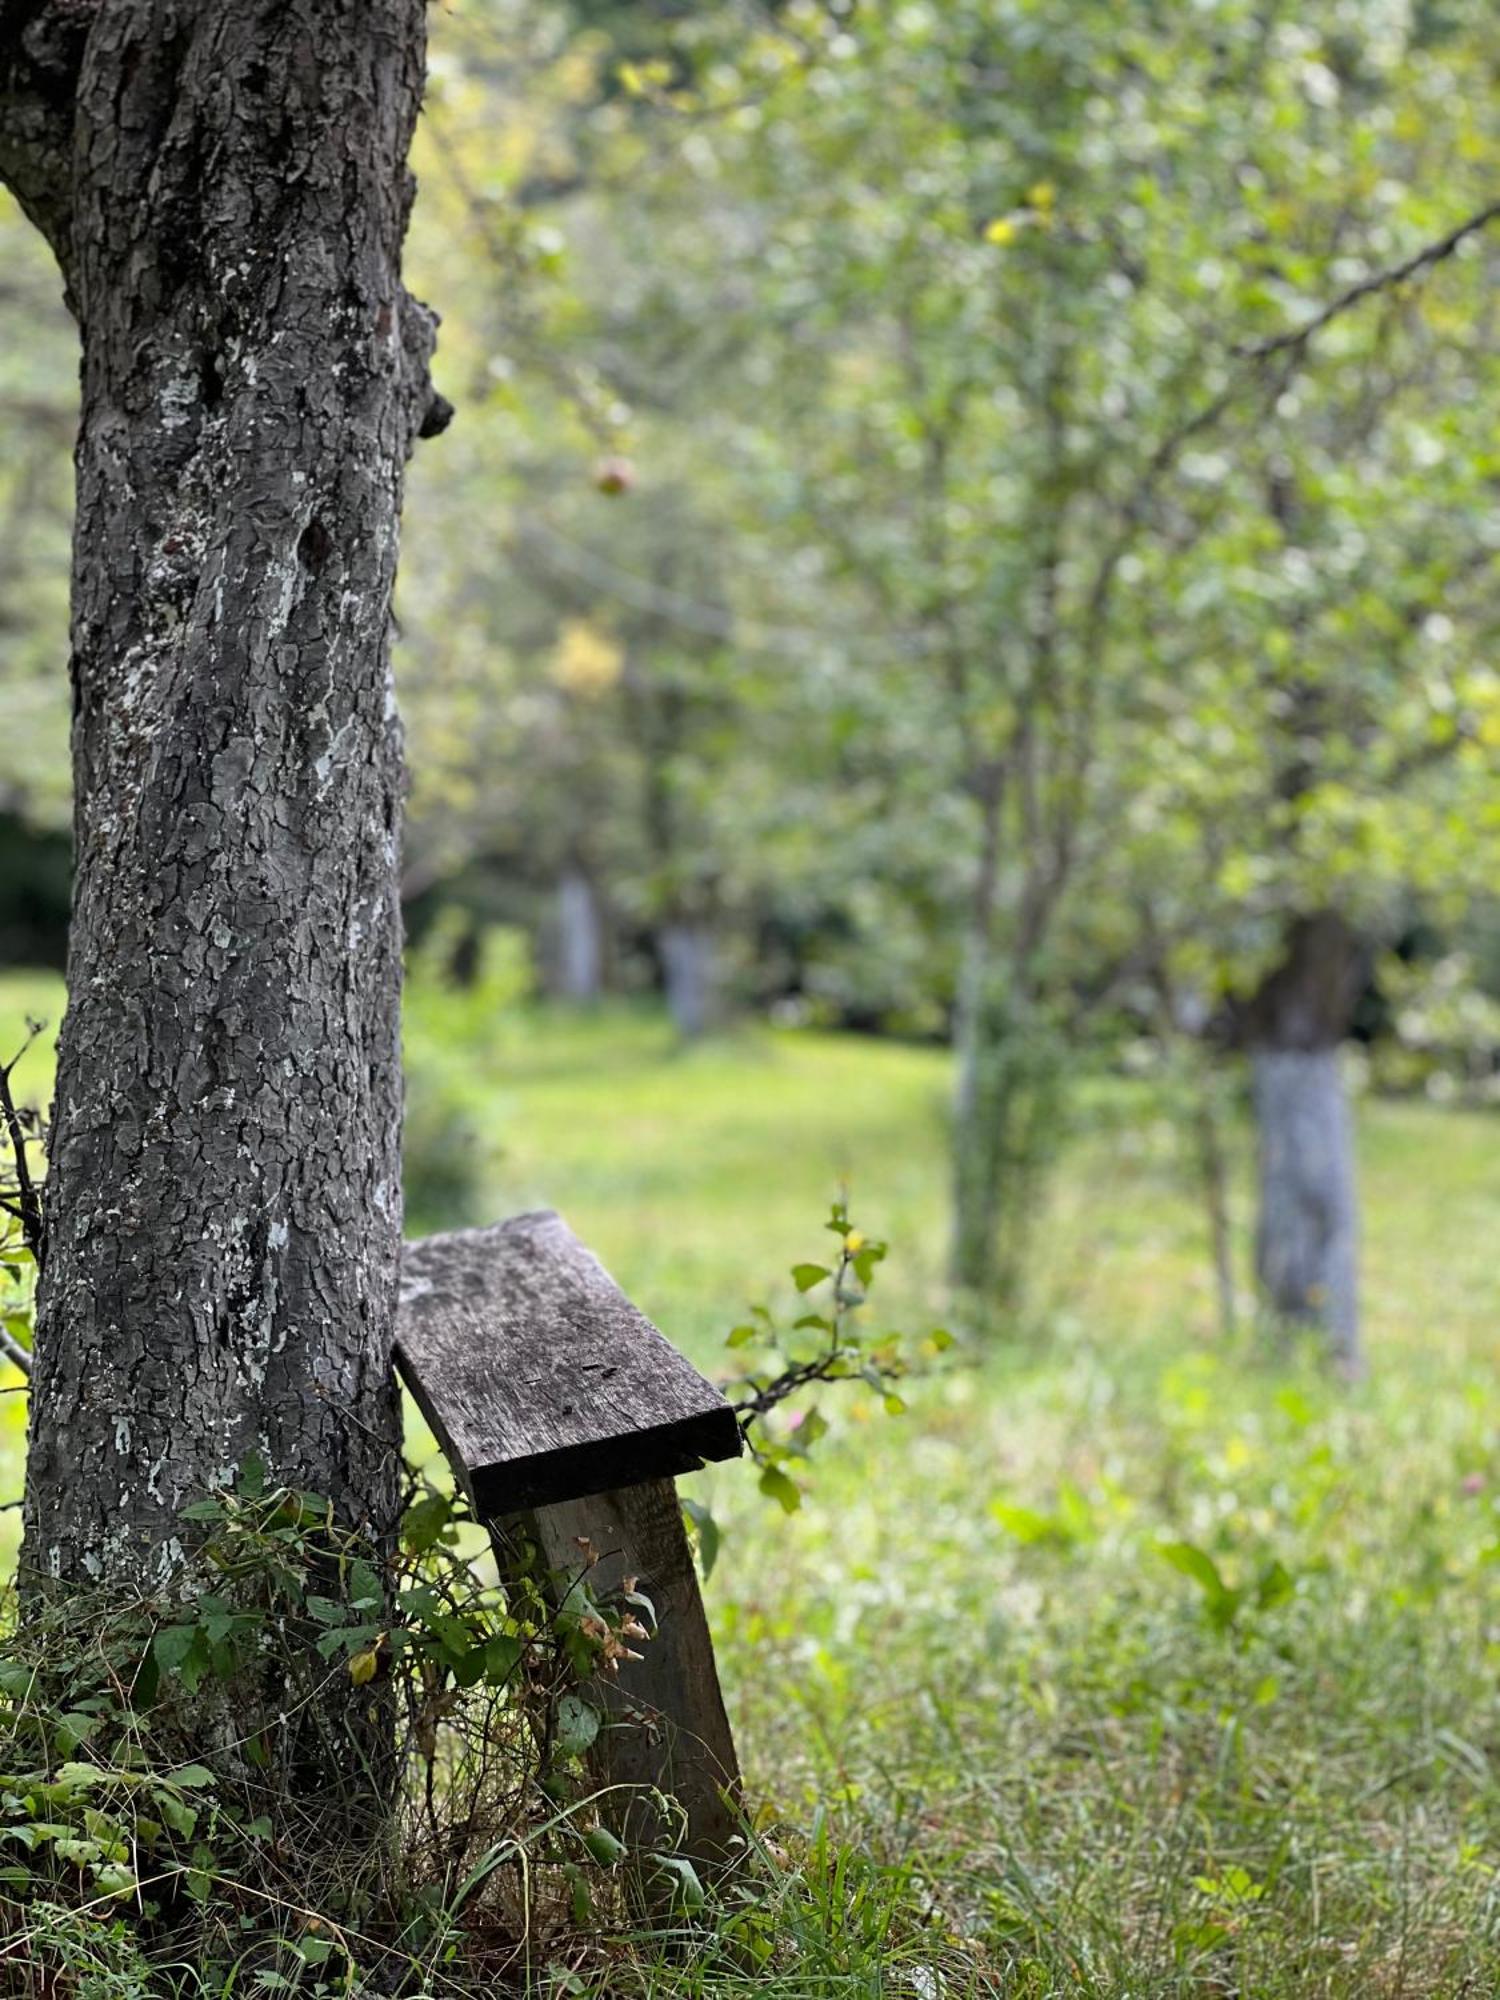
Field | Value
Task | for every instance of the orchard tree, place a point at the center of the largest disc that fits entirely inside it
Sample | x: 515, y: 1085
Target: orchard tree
x: 225, y: 190
x: 1315, y: 760
x: 1023, y: 297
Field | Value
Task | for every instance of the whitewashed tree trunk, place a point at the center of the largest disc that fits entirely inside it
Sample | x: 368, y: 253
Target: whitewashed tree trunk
x: 580, y: 938
x: 1308, y: 1234
x: 689, y: 975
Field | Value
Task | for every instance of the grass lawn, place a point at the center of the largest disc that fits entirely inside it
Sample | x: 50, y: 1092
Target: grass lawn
x: 1123, y: 1664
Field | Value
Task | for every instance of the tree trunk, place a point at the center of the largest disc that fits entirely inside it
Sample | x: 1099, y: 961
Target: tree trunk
x: 580, y: 938
x: 227, y: 191
x: 976, y: 1190
x: 1307, y: 1231
x: 1306, y: 1241
x: 689, y: 975
x: 1213, y: 1167
x: 1007, y: 1099
x: 976, y: 1135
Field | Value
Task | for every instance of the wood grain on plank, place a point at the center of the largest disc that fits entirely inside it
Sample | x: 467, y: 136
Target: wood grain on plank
x: 538, y: 1376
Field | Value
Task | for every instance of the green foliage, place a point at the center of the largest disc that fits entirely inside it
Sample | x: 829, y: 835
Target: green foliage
x: 1445, y: 1031
x: 829, y: 1345
x: 277, y: 1623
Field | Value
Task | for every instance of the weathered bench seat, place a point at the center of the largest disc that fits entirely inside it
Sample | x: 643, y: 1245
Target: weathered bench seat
x: 566, y: 1417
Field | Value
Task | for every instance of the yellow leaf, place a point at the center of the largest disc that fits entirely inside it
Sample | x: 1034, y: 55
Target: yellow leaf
x: 586, y: 661
x: 362, y: 1668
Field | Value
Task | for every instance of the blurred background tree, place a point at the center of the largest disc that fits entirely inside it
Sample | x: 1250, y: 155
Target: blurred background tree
x: 900, y: 565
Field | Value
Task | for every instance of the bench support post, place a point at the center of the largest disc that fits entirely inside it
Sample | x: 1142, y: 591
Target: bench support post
x: 665, y: 1725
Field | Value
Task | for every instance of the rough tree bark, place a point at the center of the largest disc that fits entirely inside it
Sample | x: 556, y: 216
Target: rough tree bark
x: 1306, y: 1250
x: 226, y: 190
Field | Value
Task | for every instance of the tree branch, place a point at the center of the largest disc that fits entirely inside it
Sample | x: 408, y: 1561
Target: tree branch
x: 41, y: 53
x: 1437, y: 252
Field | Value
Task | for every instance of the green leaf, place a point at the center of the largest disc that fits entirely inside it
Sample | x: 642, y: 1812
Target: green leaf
x: 582, y: 1902
x: 1195, y: 1563
x: 466, y: 1664
x: 741, y: 1336
x: 365, y: 1591
x: 502, y: 1655
x: 689, y: 1889
x: 865, y: 1260
x: 775, y: 1484
x: 72, y: 1731
x: 425, y: 1521
x: 709, y: 1537
x: 805, y: 1276
x: 181, y: 1817
x: 191, y: 1777
x: 577, y: 1725
x: 1025, y: 1523
x: 1274, y: 1585
x: 251, y: 1484
x: 75, y: 1776
x: 1222, y: 1604
x: 183, y: 1651
x: 603, y: 1846
x: 79, y: 1852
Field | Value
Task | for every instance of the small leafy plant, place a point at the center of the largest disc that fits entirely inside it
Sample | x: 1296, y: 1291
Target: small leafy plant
x: 828, y: 1344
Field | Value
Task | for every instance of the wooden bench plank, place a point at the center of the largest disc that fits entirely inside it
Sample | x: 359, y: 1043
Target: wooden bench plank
x: 539, y: 1378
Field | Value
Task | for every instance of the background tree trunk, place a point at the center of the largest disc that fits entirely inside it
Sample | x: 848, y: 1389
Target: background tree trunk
x: 580, y: 937
x: 690, y: 976
x: 976, y: 1163
x: 1306, y: 1244
x: 1308, y: 1222
x: 1008, y: 1096
x: 224, y: 1201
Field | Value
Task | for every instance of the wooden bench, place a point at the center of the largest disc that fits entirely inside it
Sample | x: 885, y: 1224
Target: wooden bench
x: 566, y: 1417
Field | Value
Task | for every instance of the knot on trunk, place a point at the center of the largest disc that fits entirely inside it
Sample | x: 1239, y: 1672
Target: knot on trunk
x: 431, y: 413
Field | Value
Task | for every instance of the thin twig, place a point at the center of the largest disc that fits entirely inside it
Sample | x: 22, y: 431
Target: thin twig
x: 27, y: 1194
x: 1380, y: 281
x: 14, y: 1352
